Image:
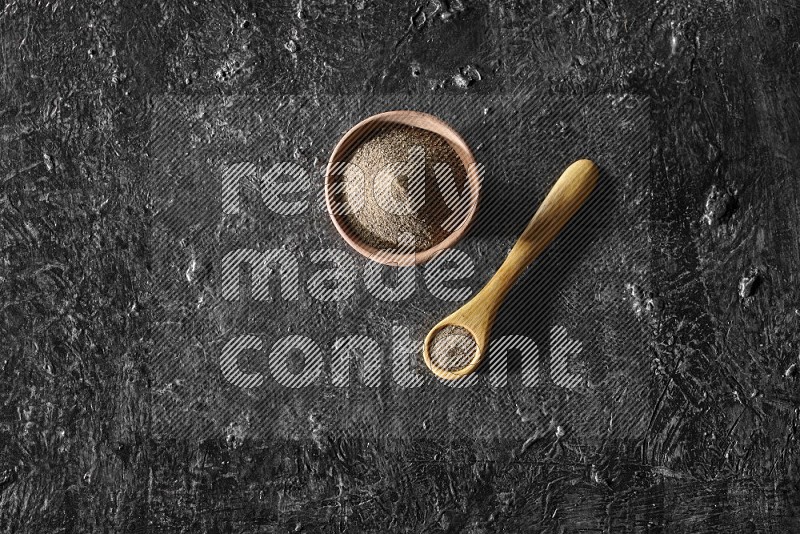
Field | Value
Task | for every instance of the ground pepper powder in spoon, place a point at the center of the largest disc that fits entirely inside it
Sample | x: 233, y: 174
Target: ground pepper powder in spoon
x: 453, y: 348
x: 390, y: 186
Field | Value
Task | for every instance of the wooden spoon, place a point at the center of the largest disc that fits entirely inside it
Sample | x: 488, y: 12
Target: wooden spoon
x: 477, y: 316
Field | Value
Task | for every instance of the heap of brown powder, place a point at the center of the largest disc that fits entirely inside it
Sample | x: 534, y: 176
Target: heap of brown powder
x: 452, y: 348
x: 401, y: 206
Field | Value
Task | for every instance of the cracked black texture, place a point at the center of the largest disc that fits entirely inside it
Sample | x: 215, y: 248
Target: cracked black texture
x: 720, y: 453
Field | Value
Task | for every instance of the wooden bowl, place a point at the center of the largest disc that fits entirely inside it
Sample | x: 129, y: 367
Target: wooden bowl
x: 359, y: 133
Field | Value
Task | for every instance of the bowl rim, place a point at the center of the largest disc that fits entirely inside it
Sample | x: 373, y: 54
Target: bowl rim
x: 427, y: 122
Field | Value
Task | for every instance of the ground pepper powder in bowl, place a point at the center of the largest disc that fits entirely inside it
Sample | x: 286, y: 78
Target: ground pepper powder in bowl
x: 401, y: 186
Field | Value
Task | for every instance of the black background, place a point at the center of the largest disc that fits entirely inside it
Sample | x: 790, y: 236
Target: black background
x: 582, y: 284
x: 720, y: 452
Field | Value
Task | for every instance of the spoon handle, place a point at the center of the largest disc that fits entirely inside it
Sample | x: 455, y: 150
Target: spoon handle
x: 562, y: 202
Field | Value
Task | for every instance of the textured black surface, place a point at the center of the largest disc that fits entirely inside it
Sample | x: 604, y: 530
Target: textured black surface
x: 576, y: 347
x: 720, y: 450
